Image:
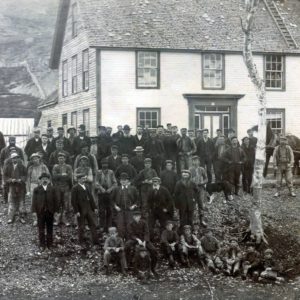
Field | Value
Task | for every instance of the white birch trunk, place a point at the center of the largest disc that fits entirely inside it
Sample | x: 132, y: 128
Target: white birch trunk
x: 256, y: 226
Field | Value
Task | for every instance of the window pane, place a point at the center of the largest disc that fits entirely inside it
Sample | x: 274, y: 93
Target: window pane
x: 212, y: 71
x: 147, y: 69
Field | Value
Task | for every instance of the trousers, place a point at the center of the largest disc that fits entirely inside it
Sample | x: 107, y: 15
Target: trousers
x: 45, y: 221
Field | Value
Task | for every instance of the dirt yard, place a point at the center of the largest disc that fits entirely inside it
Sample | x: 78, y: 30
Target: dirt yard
x: 70, y: 273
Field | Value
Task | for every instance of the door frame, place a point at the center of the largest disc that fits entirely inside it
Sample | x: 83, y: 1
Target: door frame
x: 230, y: 100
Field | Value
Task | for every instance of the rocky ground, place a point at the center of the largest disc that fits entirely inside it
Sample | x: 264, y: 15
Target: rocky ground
x: 70, y: 273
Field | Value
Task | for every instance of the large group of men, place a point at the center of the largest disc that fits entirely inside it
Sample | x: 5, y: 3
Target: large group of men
x: 128, y: 185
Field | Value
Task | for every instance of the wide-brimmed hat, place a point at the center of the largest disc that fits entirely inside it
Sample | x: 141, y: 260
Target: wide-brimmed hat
x: 81, y: 127
x: 71, y: 128
x: 138, y: 149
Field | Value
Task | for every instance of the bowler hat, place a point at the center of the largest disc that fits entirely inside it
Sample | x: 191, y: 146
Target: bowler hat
x: 43, y: 175
x: 82, y: 127
x: 126, y: 127
x: 138, y: 149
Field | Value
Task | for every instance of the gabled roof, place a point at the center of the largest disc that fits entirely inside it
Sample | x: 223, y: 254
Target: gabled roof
x: 171, y: 24
x: 52, y: 99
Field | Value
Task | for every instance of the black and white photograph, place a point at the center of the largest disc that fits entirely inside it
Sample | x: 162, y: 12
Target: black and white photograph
x: 150, y: 149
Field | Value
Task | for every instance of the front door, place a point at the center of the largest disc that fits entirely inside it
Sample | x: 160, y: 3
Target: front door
x: 213, y: 121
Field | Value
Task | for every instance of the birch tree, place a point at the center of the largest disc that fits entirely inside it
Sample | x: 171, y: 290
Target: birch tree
x: 256, y: 227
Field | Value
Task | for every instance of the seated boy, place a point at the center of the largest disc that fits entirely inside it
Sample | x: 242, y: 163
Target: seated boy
x: 211, y: 247
x: 233, y: 258
x: 169, y: 243
x: 251, y: 262
x: 189, y: 246
x: 142, y: 263
x: 270, y: 269
x: 114, y: 250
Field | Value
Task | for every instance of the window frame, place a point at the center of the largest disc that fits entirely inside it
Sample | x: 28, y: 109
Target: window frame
x: 74, y: 20
x: 74, y: 57
x: 283, y: 72
x: 85, y: 73
x: 222, y: 71
x: 137, y: 70
x: 274, y: 111
x: 88, y: 122
x: 64, y: 116
x: 145, y: 109
x: 65, y: 78
x: 74, y: 113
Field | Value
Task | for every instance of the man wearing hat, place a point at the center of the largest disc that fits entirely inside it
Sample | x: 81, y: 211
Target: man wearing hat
x: 138, y: 160
x: 92, y: 161
x: 124, y: 201
x: 105, y: 182
x: 234, y: 159
x: 114, y: 248
x: 169, y: 242
x: 205, y: 150
x: 252, y: 138
x: 114, y: 159
x: 44, y: 206
x: 45, y: 149
x: 84, y: 208
x: 102, y: 144
x: 283, y: 160
x: 117, y: 135
x: 247, y: 171
x: 186, y: 147
x: 169, y: 177
x: 170, y: 146
x: 14, y: 177
x: 108, y: 135
x: 62, y: 175
x: 73, y: 143
x: 50, y: 136
x: 34, y: 143
x: 36, y: 169
x: 160, y: 205
x: 53, y: 160
x: 185, y: 195
x: 126, y: 167
x: 61, y: 137
x: 233, y: 257
x: 218, y: 164
x: 218, y: 134
x: 138, y: 236
x: 139, y: 137
x: 154, y: 149
x: 84, y: 168
x: 126, y: 142
x: 81, y: 138
x: 143, y: 182
x: 4, y: 155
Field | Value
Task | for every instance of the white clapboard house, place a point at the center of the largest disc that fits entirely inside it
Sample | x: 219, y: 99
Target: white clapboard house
x: 153, y: 62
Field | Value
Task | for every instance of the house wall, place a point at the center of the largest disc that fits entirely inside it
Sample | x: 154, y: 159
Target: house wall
x: 82, y: 100
x: 180, y: 74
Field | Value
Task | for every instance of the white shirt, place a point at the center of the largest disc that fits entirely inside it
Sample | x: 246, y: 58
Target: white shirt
x: 45, y: 187
x: 124, y: 187
x: 156, y: 187
x: 44, y: 147
x: 83, y: 186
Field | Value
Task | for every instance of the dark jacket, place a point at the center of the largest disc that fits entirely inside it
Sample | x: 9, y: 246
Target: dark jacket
x: 126, y: 145
x: 5, y: 153
x: 114, y: 163
x: 32, y: 146
x: 82, y: 200
x: 78, y: 142
x: 230, y: 159
x: 159, y: 200
x: 250, y: 155
x: 185, y: 195
x: 138, y: 163
x: 132, y: 197
x: 139, y: 142
x: 205, y: 149
x: 129, y: 169
x: 20, y: 172
x: 44, y: 200
x: 145, y: 174
x: 154, y: 148
x: 53, y: 160
x: 138, y: 230
x: 65, y: 141
x: 103, y: 148
x: 169, y: 180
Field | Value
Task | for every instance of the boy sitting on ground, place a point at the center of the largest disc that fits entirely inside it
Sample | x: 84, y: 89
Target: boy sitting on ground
x: 114, y: 250
x: 169, y: 243
x: 233, y: 258
x: 189, y: 246
x: 211, y: 248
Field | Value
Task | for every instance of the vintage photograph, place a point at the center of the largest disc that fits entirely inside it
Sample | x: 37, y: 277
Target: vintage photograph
x: 149, y: 149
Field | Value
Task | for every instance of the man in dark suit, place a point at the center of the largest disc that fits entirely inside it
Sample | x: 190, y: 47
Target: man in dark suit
x: 127, y: 168
x: 33, y: 144
x: 51, y: 138
x: 61, y: 137
x: 126, y: 142
x: 205, y: 150
x: 114, y: 159
x: 82, y: 138
x: 117, y: 135
x: 160, y: 205
x: 46, y: 149
x: 139, y: 138
x: 45, y: 205
x: 124, y: 201
x: 84, y: 208
x: 102, y: 144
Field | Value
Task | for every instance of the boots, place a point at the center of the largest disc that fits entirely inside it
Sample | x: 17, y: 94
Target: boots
x: 171, y: 261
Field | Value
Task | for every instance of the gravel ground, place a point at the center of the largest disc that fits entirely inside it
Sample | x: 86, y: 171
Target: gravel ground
x: 70, y: 273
